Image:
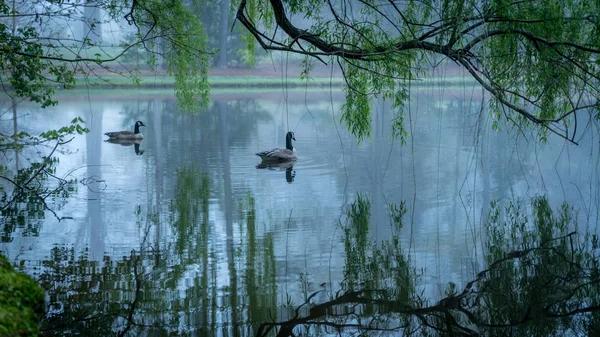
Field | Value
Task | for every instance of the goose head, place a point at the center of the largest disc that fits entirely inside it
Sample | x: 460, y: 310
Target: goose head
x: 137, y: 126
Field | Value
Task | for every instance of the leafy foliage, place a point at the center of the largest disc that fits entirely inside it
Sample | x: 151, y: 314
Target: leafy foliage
x: 537, y: 59
x: 21, y: 139
x: 21, y: 302
x: 38, y: 51
x: 185, y: 50
x: 24, y: 204
x: 23, y: 56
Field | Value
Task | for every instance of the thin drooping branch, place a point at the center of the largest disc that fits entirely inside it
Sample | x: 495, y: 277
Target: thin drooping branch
x: 23, y: 188
x: 529, y: 36
x: 498, y: 94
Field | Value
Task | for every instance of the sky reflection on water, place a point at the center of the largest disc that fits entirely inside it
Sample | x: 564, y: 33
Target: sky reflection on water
x: 450, y: 169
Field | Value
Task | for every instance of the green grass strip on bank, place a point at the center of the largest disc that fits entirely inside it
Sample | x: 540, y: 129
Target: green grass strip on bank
x: 215, y: 81
x: 249, y: 81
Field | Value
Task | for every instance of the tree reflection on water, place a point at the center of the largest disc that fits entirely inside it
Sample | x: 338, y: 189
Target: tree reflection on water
x: 165, y: 288
x: 541, y: 280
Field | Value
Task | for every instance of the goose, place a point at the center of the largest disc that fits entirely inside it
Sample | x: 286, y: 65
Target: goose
x: 280, y: 155
x: 135, y: 134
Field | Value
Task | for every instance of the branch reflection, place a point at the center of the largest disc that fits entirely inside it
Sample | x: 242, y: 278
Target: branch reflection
x: 540, y: 279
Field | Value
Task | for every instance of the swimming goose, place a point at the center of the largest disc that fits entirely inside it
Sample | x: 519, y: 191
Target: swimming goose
x: 280, y: 155
x: 135, y: 134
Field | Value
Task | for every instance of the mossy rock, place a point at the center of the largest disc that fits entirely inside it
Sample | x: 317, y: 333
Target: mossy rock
x: 21, y: 302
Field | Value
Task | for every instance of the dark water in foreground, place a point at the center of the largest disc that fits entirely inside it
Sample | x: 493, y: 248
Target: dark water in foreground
x: 183, y: 234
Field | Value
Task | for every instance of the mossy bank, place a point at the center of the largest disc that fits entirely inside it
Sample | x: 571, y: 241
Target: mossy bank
x: 21, y: 302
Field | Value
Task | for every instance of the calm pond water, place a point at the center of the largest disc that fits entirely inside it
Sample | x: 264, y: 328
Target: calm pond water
x: 184, y: 234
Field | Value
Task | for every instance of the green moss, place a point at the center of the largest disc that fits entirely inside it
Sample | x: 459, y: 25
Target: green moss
x: 21, y: 302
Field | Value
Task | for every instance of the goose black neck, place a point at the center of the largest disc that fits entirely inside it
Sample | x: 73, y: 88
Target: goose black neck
x: 136, y: 129
x: 288, y: 142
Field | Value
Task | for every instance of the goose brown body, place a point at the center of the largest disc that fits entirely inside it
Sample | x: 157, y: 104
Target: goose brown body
x: 135, y: 134
x: 278, y: 154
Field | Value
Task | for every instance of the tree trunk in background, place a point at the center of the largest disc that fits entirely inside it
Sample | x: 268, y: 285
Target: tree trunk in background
x: 13, y: 100
x: 223, y: 33
x: 92, y: 28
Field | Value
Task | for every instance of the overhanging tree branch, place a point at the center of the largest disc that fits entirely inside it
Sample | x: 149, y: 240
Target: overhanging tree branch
x: 465, y: 38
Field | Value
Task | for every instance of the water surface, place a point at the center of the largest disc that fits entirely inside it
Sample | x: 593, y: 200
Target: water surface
x: 189, y: 236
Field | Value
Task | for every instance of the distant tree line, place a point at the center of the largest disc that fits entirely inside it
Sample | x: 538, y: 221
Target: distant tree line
x: 536, y: 60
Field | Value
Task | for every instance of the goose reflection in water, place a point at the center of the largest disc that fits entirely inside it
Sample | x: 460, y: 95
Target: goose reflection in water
x: 288, y: 167
x: 128, y: 142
